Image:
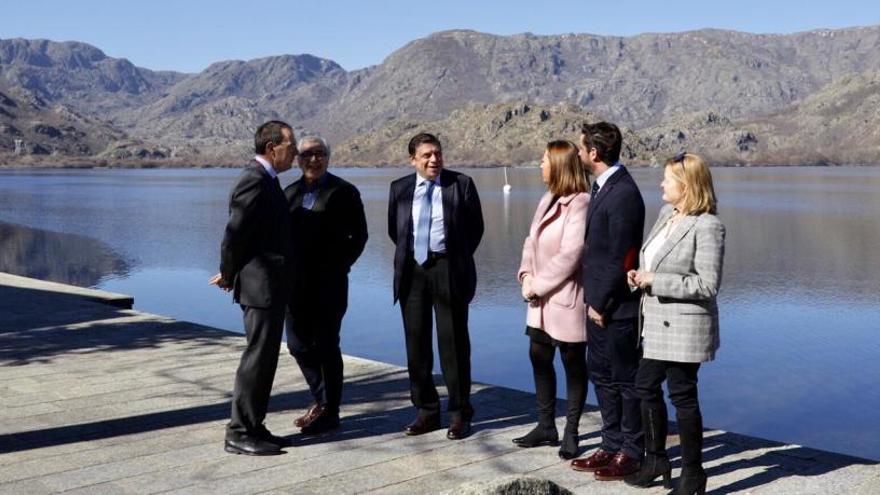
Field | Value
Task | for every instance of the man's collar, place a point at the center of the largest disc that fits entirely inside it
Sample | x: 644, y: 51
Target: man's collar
x: 317, y: 184
x: 420, y: 179
x: 603, y: 177
x: 266, y: 165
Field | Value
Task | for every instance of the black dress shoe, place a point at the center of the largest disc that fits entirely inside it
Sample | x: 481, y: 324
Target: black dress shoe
x: 422, y: 425
x: 251, y: 446
x: 269, y: 437
x: 458, y: 429
x: 540, y: 435
x: 323, y: 422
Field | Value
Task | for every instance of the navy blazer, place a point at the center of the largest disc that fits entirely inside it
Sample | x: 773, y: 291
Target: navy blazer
x: 615, y: 225
x: 463, y: 223
x: 257, y: 246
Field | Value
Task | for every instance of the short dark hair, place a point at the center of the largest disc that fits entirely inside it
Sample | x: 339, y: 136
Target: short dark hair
x: 422, y: 138
x: 606, y: 138
x: 269, y: 132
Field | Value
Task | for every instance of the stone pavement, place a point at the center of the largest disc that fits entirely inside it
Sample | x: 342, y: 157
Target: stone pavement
x: 98, y: 398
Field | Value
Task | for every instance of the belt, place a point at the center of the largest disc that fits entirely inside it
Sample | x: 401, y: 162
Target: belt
x: 432, y: 256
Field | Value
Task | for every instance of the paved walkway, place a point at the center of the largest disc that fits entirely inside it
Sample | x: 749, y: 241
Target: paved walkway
x: 97, y: 398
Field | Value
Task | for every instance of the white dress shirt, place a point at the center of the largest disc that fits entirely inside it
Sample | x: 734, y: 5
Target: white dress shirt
x: 437, y: 240
x: 268, y: 166
x: 604, y: 176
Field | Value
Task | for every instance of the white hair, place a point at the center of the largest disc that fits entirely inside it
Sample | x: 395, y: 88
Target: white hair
x: 314, y: 138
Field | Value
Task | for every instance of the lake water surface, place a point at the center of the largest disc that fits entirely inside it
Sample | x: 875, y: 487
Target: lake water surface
x: 800, y: 299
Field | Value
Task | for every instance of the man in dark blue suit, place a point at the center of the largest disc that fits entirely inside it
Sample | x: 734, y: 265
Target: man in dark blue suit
x: 436, y: 222
x: 255, y: 264
x: 615, y: 224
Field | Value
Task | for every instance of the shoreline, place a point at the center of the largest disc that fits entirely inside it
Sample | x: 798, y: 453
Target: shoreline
x: 102, y: 164
x: 156, y: 424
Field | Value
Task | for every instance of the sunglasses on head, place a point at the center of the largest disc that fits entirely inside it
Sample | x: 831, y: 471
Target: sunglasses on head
x: 679, y: 158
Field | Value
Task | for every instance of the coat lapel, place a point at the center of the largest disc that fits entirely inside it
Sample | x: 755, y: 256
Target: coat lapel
x: 448, y: 194
x: 687, y: 223
x: 553, y: 212
x: 658, y: 226
x: 293, y: 195
x: 604, y: 192
x: 404, y: 208
x: 324, y: 192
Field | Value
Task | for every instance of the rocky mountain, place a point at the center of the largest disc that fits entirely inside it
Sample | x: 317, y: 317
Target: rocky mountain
x: 639, y: 81
x: 80, y: 75
x: 37, y: 127
x: 479, y: 134
x: 743, y: 98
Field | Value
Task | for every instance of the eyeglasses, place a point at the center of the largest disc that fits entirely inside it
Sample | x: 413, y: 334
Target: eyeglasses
x: 308, y: 155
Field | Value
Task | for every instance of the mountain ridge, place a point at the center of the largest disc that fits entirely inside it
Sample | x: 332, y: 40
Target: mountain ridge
x: 727, y: 92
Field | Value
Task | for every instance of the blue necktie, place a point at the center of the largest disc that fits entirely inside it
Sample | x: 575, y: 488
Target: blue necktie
x: 423, y: 229
x: 594, y: 191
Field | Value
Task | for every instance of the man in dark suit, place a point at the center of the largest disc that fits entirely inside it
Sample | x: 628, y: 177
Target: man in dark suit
x: 436, y: 223
x: 327, y: 216
x: 615, y: 224
x: 255, y: 264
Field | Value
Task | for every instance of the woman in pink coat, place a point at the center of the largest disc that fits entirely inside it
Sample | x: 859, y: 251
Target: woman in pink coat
x: 550, y: 274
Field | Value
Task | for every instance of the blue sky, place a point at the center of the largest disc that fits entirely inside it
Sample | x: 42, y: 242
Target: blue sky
x: 189, y: 35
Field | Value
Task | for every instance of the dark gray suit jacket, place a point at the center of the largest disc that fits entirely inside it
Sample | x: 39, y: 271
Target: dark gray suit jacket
x: 463, y: 222
x: 256, y: 249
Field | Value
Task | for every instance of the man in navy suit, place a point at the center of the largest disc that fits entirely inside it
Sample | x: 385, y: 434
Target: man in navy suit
x: 615, y: 224
x: 255, y: 263
x: 436, y: 223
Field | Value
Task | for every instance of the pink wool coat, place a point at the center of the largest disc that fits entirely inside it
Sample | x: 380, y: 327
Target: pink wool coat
x: 552, y: 256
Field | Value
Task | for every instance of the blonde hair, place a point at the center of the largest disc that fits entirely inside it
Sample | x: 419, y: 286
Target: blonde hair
x: 692, y: 172
x: 566, y: 171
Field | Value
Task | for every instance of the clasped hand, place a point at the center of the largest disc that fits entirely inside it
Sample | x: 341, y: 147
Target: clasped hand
x: 639, y: 279
x: 527, y: 293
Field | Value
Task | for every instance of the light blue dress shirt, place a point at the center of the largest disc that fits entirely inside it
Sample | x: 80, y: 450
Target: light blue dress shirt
x: 437, y: 241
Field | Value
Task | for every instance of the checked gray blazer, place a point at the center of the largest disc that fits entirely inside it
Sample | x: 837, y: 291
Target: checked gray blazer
x: 679, y: 317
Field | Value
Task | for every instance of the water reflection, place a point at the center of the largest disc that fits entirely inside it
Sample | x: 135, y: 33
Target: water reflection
x: 66, y: 258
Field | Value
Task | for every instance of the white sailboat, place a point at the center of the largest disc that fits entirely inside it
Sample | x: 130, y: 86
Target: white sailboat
x: 506, y: 187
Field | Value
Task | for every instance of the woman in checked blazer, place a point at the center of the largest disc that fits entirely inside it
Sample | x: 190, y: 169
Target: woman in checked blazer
x: 550, y: 274
x: 681, y: 263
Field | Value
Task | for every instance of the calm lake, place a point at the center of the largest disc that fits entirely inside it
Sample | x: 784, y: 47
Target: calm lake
x: 799, y: 302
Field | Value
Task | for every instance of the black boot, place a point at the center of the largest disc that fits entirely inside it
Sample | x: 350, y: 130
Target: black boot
x: 544, y: 433
x: 576, y: 395
x: 569, y: 448
x: 693, y: 478
x: 656, y: 462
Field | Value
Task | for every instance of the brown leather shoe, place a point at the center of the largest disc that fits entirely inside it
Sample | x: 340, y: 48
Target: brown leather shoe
x: 622, y: 465
x: 326, y: 421
x: 313, y: 412
x: 594, y: 461
x: 459, y: 428
x: 422, y: 425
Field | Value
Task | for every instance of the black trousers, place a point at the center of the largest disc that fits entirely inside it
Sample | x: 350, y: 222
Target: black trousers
x: 681, y: 380
x: 313, y: 325
x: 613, y: 359
x: 429, y: 290
x: 256, y: 370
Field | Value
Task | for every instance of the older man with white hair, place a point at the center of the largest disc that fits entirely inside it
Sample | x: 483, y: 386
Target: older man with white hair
x: 327, y: 215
